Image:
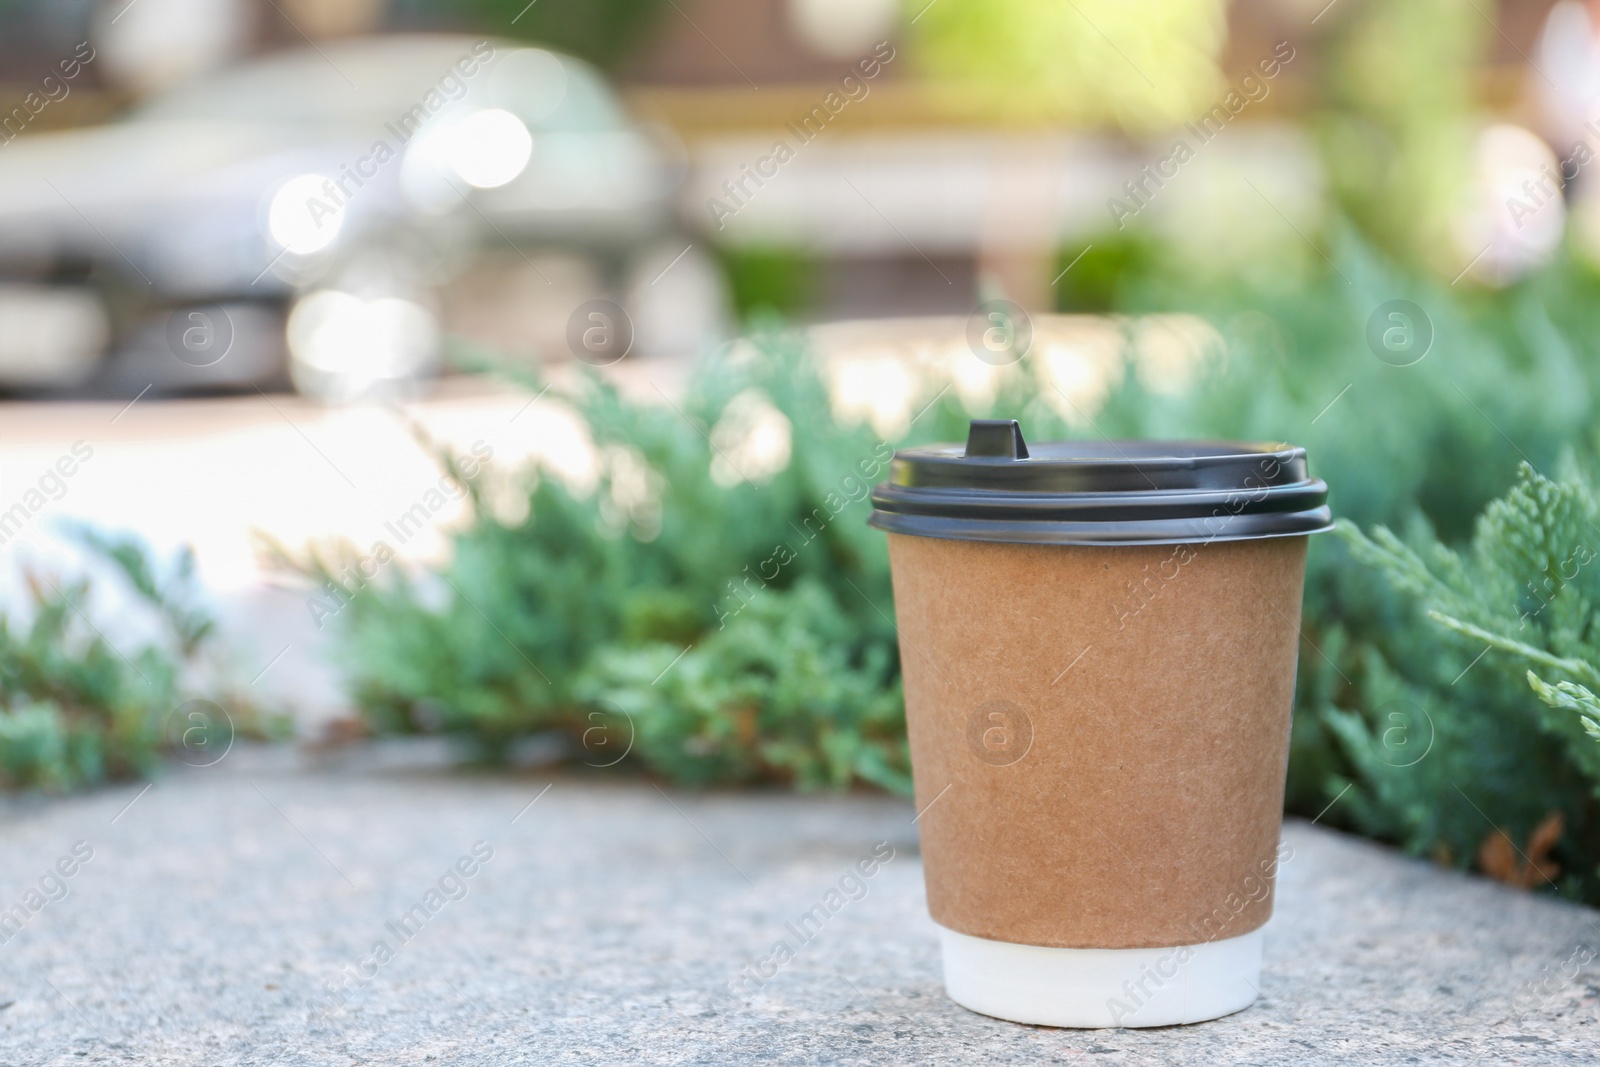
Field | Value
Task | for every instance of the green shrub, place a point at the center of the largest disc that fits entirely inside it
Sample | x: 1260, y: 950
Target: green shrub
x: 1504, y: 756
x: 76, y: 708
x: 781, y: 692
x: 576, y: 604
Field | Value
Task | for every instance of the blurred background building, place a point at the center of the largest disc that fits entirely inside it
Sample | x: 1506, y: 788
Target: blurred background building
x: 933, y: 156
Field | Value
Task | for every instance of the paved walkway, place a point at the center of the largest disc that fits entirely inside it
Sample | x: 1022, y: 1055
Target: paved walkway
x: 602, y: 921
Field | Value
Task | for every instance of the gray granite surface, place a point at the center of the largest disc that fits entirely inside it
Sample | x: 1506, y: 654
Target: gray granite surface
x: 217, y: 912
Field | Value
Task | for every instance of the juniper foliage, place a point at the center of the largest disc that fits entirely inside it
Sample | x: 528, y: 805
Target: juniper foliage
x: 1495, y: 667
x: 739, y: 627
x: 77, y: 708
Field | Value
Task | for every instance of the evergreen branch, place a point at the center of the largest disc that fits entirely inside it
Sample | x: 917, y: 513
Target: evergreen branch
x: 1385, y: 551
x: 1582, y: 703
x: 1576, y: 667
x: 1571, y: 697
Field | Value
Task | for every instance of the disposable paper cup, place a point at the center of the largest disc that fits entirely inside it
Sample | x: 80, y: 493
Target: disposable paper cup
x: 1098, y: 642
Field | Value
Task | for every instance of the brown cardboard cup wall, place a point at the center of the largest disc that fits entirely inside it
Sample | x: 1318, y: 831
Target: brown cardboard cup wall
x: 1132, y: 799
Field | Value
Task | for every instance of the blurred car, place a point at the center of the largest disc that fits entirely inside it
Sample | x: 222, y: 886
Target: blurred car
x: 307, y: 214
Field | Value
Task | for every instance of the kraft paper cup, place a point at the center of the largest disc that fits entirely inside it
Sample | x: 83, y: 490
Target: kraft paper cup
x: 1098, y: 642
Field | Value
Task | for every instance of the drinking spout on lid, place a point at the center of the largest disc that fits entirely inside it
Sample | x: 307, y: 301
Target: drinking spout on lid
x: 998, y: 438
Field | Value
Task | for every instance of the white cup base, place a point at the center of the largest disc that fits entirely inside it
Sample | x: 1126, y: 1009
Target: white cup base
x: 1102, y: 987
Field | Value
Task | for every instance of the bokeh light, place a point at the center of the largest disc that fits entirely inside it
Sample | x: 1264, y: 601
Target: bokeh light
x: 306, y: 214
x: 488, y: 148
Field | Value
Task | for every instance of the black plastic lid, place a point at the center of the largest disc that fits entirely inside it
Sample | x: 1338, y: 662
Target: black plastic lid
x: 997, y: 488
